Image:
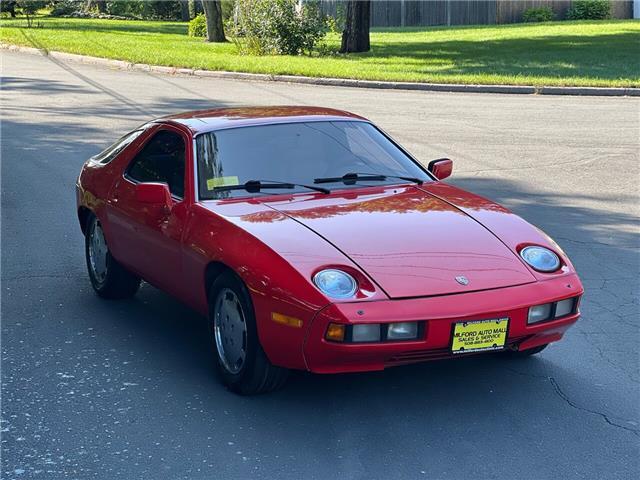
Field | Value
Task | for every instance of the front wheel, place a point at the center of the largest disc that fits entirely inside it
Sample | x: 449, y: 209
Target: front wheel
x: 108, y: 278
x: 242, y: 363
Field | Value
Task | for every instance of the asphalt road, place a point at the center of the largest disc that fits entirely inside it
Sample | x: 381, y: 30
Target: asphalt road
x: 98, y: 389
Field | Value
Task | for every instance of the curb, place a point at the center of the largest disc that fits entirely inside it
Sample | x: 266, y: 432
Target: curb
x: 335, y: 82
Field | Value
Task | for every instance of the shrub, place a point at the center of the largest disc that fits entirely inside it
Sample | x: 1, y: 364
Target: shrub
x: 263, y: 27
x: 124, y: 8
x: 157, y: 9
x: 198, y: 26
x: 542, y: 14
x: 589, y: 10
x: 66, y: 7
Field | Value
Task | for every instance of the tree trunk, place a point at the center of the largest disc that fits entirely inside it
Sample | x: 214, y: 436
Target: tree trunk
x: 184, y: 10
x: 355, y: 37
x: 213, y: 12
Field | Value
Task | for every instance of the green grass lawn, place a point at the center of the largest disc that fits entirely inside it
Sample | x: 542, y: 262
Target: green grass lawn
x: 602, y: 53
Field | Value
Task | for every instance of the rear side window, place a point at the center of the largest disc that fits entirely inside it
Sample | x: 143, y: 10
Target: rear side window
x: 112, y: 152
x: 161, y: 160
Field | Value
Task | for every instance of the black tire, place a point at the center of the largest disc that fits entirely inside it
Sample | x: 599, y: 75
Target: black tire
x: 117, y: 282
x: 255, y: 374
x: 528, y: 352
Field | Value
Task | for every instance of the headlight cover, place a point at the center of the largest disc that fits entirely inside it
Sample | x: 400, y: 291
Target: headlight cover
x: 335, y: 283
x: 541, y: 259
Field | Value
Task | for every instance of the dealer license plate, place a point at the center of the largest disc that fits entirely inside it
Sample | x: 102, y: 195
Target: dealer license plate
x: 480, y: 336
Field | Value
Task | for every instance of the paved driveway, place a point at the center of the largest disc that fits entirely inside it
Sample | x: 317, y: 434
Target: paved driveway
x: 97, y: 389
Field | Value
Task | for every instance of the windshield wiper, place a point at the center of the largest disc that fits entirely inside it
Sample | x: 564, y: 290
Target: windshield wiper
x: 255, y: 186
x: 352, y: 177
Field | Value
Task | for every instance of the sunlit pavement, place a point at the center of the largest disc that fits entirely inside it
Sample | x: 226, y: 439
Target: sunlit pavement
x: 98, y: 389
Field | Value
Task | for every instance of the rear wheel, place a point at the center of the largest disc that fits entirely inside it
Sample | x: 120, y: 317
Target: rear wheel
x: 242, y: 363
x: 528, y: 352
x: 108, y: 278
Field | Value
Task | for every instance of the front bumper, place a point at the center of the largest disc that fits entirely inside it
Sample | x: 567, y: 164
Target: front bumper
x: 438, y: 314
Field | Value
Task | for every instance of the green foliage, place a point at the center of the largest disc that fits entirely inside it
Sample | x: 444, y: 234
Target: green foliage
x: 337, y: 22
x: 29, y: 9
x: 589, y: 10
x: 228, y: 7
x: 542, y: 14
x: 8, y: 6
x: 66, y: 7
x: 266, y: 27
x: 164, y: 10
x: 198, y: 26
x: 125, y: 8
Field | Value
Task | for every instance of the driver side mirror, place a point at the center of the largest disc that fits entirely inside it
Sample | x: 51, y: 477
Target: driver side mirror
x: 157, y: 194
x: 441, y: 168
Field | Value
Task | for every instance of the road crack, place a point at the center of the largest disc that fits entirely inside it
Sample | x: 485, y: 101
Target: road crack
x: 561, y: 394
x: 569, y: 402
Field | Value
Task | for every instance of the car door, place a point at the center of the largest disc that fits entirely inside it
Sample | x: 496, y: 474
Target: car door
x: 149, y: 237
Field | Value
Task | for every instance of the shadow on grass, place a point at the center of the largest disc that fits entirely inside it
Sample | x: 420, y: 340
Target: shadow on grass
x: 607, y: 56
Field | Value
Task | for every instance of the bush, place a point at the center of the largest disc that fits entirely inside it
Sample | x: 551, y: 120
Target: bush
x: 589, y: 10
x: 153, y: 10
x: 542, y: 14
x: 198, y: 26
x: 263, y: 27
x: 124, y: 8
x: 66, y: 7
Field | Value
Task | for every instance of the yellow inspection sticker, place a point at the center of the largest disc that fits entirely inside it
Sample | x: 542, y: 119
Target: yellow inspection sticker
x: 479, y: 336
x: 221, y: 182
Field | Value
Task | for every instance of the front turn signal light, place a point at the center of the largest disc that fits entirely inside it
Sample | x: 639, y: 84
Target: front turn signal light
x: 335, y: 332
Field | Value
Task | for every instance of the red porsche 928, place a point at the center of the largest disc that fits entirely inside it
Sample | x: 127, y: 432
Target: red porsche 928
x: 311, y: 240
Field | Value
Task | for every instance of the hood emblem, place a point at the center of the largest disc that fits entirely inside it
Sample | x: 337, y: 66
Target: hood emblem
x: 462, y: 280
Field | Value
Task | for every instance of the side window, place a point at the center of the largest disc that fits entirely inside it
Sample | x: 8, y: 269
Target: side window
x: 111, y: 152
x: 161, y: 160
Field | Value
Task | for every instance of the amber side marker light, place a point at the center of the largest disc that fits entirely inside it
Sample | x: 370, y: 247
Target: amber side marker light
x: 335, y: 332
x: 286, y: 320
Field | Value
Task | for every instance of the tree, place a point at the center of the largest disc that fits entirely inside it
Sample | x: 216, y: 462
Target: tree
x: 355, y: 37
x: 29, y: 9
x: 9, y: 6
x: 213, y: 13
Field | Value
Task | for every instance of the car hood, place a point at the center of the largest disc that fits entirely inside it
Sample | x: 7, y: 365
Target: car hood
x: 409, y: 242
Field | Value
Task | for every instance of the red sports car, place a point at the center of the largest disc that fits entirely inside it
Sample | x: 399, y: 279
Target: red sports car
x: 311, y: 240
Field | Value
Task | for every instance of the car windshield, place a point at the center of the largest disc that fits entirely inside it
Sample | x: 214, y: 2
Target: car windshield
x: 298, y: 153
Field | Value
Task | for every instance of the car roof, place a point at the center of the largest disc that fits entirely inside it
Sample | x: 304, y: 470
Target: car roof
x: 202, y: 121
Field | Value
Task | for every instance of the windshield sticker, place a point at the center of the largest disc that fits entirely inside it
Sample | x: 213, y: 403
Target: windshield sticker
x: 221, y: 182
